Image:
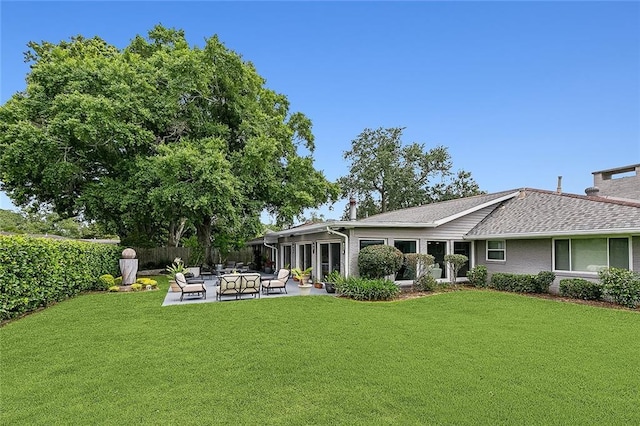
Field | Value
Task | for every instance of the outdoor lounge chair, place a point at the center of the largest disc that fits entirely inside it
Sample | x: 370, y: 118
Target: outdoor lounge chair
x: 280, y: 282
x: 250, y: 285
x: 230, y: 285
x: 197, y: 288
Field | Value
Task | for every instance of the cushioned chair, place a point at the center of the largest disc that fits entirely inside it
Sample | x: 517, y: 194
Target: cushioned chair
x: 280, y: 282
x: 230, y: 285
x: 196, y: 288
x: 250, y: 285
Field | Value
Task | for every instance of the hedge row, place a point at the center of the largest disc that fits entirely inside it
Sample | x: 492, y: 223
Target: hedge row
x: 367, y: 289
x: 579, y: 288
x: 523, y: 283
x: 36, y: 272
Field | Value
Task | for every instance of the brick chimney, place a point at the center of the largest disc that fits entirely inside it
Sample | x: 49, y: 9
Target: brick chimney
x: 621, y: 182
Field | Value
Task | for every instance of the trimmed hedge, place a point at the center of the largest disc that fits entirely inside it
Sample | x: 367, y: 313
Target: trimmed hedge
x: 522, y: 283
x: 367, y: 289
x: 378, y: 261
x: 578, y: 288
x: 478, y: 276
x: 35, y: 272
x: 621, y: 285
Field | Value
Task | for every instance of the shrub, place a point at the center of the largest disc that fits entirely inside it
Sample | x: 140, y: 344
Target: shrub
x: 367, y: 289
x: 579, y: 288
x: 117, y: 280
x: 114, y: 288
x: 425, y: 282
x: 519, y: 283
x: 478, y: 276
x: 35, y: 272
x: 105, y: 281
x: 544, y: 280
x: 136, y: 287
x: 621, y: 285
x: 455, y: 262
x: 379, y: 261
x: 147, y: 282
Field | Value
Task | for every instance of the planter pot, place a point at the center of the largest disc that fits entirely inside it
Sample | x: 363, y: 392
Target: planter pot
x: 174, y: 286
x: 329, y: 287
x: 317, y: 285
x: 436, y: 273
x: 305, y: 289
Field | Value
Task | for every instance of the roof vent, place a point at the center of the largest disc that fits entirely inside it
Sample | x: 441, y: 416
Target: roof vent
x: 592, y: 191
x: 559, y: 188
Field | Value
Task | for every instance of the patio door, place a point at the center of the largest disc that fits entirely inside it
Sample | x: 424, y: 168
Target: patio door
x: 286, y: 256
x: 329, y: 258
x: 304, y: 256
x: 406, y: 247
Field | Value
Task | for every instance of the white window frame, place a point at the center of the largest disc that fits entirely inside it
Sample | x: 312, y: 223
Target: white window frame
x: 384, y: 241
x: 570, y: 239
x: 503, y: 250
x: 416, y: 252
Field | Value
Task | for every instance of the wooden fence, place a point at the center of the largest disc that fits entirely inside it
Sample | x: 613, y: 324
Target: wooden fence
x: 160, y: 257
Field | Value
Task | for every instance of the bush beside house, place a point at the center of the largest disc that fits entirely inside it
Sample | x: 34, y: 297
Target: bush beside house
x: 35, y: 272
x: 378, y: 261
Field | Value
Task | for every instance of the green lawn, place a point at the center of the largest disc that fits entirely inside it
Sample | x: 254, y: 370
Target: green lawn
x: 467, y: 357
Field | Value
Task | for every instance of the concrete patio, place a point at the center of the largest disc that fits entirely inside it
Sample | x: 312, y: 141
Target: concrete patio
x: 173, y: 298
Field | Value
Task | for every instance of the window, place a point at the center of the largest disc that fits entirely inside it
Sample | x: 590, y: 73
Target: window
x: 366, y: 243
x: 405, y: 247
x: 497, y: 250
x: 437, y: 249
x: 591, y: 254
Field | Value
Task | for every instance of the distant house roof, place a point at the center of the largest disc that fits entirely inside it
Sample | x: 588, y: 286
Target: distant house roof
x: 536, y: 213
x: 439, y: 213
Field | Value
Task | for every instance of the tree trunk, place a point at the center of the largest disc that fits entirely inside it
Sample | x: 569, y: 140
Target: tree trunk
x: 203, y: 232
x: 175, y: 232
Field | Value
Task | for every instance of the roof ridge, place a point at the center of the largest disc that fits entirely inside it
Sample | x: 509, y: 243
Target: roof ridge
x: 443, y: 202
x: 585, y: 197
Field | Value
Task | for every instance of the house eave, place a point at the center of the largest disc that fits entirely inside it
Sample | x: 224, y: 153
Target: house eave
x: 475, y: 209
x: 552, y: 234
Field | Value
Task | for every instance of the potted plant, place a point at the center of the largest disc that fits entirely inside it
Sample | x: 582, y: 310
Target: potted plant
x: 331, y: 280
x: 173, y: 269
x: 303, y: 279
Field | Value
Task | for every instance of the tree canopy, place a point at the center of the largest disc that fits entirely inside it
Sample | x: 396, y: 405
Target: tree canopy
x: 146, y: 137
x: 386, y: 175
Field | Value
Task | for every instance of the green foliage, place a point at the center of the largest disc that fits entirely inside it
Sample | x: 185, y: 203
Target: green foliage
x: 141, y: 138
x: 425, y: 282
x: 301, y: 275
x: 478, y: 276
x: 367, y: 289
x: 544, y: 280
x: 117, y: 281
x: 105, y: 281
x: 621, y: 285
x: 136, y: 287
x: 176, y: 267
x: 455, y: 262
x: 385, y: 174
x: 35, y: 272
x: 379, y: 261
x: 333, y: 277
x: 522, y: 283
x: 114, y: 289
x: 144, y: 282
x: 579, y: 288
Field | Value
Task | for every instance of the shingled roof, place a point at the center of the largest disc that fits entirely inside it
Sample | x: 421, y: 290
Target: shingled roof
x: 537, y: 212
x: 438, y: 212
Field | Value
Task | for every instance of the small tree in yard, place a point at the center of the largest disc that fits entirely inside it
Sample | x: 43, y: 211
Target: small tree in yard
x: 421, y: 265
x: 455, y: 262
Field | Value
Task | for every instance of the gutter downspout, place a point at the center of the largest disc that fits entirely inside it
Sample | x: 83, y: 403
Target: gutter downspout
x: 273, y: 248
x: 346, y: 249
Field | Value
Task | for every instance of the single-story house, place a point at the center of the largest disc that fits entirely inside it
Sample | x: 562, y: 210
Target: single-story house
x: 517, y: 231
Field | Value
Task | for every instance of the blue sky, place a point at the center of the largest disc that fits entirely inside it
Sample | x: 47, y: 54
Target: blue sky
x: 520, y: 92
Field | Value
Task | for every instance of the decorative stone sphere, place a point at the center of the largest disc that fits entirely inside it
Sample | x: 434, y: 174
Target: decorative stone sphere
x: 128, y: 253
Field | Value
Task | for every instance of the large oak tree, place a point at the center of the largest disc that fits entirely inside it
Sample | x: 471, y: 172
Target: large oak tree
x: 144, y: 137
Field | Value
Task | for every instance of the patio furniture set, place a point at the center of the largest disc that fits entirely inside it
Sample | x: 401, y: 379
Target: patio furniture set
x: 235, y: 284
